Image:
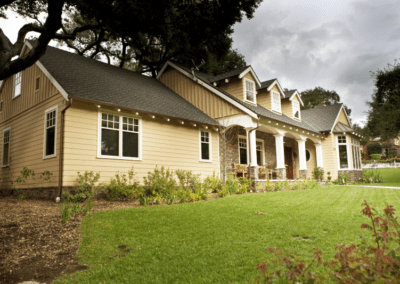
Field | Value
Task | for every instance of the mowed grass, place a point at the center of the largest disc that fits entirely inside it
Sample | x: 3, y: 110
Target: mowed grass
x: 390, y: 177
x: 220, y: 241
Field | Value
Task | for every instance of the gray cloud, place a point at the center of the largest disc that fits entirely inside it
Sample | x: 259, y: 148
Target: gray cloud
x: 332, y: 44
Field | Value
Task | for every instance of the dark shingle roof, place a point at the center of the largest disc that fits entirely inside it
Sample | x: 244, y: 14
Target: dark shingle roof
x: 288, y: 94
x: 341, y: 127
x: 229, y: 74
x: 90, y: 79
x: 321, y: 118
x: 266, y: 84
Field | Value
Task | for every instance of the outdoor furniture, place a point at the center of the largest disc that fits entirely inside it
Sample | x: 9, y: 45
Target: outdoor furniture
x: 241, y: 170
x: 263, y: 173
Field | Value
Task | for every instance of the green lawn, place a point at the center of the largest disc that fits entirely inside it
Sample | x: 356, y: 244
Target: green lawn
x: 390, y: 177
x: 222, y: 240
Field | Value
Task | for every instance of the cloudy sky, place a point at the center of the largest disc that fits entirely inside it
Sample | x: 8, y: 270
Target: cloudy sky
x: 334, y: 44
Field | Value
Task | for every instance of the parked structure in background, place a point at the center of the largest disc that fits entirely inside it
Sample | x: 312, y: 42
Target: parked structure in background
x: 390, y: 148
x: 69, y: 114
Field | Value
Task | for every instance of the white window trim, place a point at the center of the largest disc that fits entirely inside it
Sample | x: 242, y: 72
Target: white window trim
x: 209, y: 144
x: 119, y: 157
x: 272, y: 100
x: 247, y: 148
x: 347, y: 149
x: 45, y: 132
x: 245, y: 91
x: 306, y: 155
x: 13, y: 81
x: 293, y: 103
x: 9, y: 148
x: 262, y: 152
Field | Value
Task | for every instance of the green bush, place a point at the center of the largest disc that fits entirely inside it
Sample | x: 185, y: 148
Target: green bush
x: 213, y: 183
x: 187, y: 179
x: 160, y: 181
x: 85, y: 189
x: 375, y: 156
x: 232, y: 183
x: 318, y: 173
x: 123, y: 186
x: 374, y: 148
x: 392, y: 153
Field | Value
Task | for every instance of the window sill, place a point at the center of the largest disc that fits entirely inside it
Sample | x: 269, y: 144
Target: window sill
x: 277, y: 112
x: 13, y: 98
x: 5, y: 166
x: 119, y: 158
x: 205, y: 161
x: 251, y: 102
x: 49, y: 157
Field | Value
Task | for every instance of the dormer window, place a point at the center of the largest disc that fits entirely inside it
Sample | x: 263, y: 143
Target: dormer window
x: 276, y: 101
x: 296, y: 109
x: 17, y: 84
x: 250, y: 90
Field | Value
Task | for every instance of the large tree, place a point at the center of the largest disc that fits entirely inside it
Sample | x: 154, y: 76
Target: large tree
x: 319, y: 96
x: 149, y: 31
x: 384, y: 113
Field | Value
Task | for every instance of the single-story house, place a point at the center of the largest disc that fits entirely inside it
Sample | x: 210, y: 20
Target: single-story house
x: 68, y: 114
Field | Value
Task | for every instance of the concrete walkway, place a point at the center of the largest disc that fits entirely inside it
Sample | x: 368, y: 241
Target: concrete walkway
x: 371, y: 186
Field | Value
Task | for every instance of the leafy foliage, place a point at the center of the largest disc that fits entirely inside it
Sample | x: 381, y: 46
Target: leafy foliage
x: 374, y: 148
x: 123, y: 186
x: 318, y: 173
x: 85, y: 189
x: 375, y: 156
x: 384, y: 113
x: 376, y: 260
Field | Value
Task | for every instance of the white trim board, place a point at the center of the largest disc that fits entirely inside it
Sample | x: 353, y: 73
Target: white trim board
x: 250, y: 69
x: 279, y: 87
x: 337, y: 117
x: 298, y: 95
x: 208, y: 87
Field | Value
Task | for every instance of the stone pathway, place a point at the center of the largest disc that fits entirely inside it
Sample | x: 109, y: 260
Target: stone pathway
x: 372, y: 186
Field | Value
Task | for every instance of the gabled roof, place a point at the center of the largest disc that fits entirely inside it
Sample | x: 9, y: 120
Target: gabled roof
x: 322, y: 118
x: 270, y: 84
x: 256, y: 110
x: 92, y: 80
x: 291, y: 94
x: 341, y: 127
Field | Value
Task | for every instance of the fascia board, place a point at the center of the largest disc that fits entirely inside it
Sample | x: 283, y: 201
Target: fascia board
x: 218, y: 93
x: 279, y: 87
x: 337, y: 117
x: 250, y: 69
x: 298, y: 95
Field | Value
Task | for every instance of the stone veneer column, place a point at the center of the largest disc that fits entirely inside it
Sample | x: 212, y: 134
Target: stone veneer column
x: 302, y: 158
x: 253, y: 155
x: 280, y: 156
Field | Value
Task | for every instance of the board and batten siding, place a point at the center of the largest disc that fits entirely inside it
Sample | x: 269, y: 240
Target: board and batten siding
x: 198, y: 96
x: 167, y: 144
x: 29, y: 95
x: 264, y: 99
x: 27, y: 144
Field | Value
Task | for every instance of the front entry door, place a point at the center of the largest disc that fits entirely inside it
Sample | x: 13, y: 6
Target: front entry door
x: 289, y: 162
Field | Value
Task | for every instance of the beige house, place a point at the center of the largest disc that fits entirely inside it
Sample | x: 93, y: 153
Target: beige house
x: 69, y: 114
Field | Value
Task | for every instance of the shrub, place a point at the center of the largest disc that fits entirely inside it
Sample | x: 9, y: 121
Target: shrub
x: 375, y: 260
x: 318, y: 173
x: 392, y: 153
x: 85, y: 189
x: 232, y: 183
x: 65, y: 211
x: 343, y: 179
x: 187, y: 179
x: 213, y: 183
x: 123, y: 187
x: 375, y: 156
x: 371, y: 176
x: 160, y: 181
x: 244, y: 185
x: 374, y: 148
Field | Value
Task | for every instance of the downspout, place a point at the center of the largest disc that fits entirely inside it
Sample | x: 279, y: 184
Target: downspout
x: 61, y: 159
x: 248, y: 139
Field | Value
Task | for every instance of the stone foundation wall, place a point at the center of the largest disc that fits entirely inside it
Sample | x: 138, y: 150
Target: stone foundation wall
x: 280, y: 174
x: 303, y: 174
x: 254, y: 173
x: 37, y: 192
x: 353, y: 175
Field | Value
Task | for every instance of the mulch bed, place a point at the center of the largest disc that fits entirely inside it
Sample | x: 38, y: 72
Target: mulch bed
x: 35, y: 245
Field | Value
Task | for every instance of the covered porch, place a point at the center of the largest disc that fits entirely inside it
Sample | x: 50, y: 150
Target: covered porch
x: 268, y: 150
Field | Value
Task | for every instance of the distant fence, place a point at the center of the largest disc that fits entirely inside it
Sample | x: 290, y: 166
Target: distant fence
x: 393, y: 165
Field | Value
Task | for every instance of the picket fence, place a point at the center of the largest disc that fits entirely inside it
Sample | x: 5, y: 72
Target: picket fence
x: 393, y: 165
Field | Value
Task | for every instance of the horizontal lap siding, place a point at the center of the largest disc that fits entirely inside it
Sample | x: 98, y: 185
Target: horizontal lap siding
x: 312, y: 163
x: 197, y: 95
x: 342, y: 118
x: 329, y: 155
x: 167, y: 144
x: 264, y: 99
x: 26, y: 144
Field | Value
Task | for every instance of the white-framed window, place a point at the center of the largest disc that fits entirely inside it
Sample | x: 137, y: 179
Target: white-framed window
x: 356, y: 149
x: 119, y: 137
x: 260, y: 152
x: 308, y: 156
x: 17, y: 84
x: 1, y: 83
x: 250, y: 90
x: 296, y: 109
x: 205, y: 146
x: 276, y: 101
x: 342, y: 152
x: 6, y: 147
x: 242, y: 150
x: 50, y: 132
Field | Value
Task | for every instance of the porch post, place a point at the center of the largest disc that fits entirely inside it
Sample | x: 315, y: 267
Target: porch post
x: 280, y: 156
x: 318, y: 151
x: 253, y: 155
x: 302, y: 157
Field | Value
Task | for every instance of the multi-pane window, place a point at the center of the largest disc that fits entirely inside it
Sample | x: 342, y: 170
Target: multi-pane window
x: 343, y: 152
x: 242, y: 151
x: 356, y: 149
x: 250, y: 90
x: 17, y: 84
x: 50, y: 124
x: 296, y: 109
x: 119, y: 136
x: 276, y: 101
x: 6, y: 147
x: 260, y: 152
x: 205, y: 146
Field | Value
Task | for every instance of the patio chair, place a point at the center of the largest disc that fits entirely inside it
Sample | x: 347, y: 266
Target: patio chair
x: 241, y: 170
